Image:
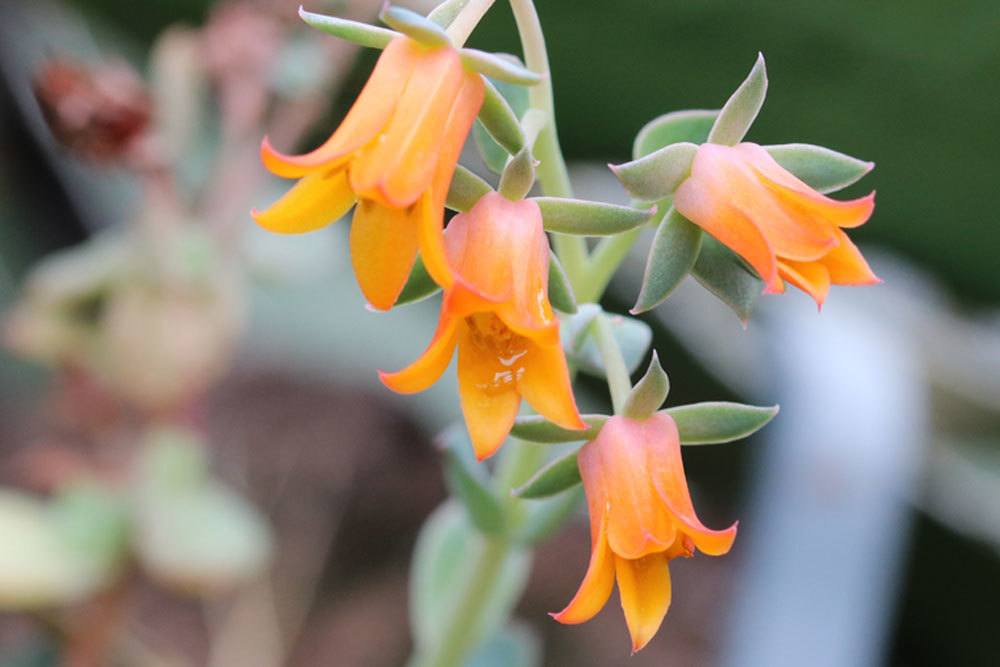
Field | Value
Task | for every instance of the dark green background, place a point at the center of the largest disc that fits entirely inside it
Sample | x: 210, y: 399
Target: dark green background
x: 913, y: 85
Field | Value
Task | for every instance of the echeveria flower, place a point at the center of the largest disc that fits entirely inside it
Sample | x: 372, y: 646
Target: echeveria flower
x: 641, y: 517
x: 497, y: 313
x: 394, y: 153
x: 782, y: 227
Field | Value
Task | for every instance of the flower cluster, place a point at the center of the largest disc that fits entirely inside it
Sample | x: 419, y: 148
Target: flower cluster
x: 394, y: 156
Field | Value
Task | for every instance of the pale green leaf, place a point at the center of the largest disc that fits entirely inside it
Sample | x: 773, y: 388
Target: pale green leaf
x: 672, y: 255
x: 741, y: 109
x: 590, y: 218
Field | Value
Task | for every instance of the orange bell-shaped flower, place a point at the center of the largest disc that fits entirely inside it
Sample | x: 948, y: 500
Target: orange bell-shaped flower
x: 782, y: 227
x: 395, y: 152
x: 641, y: 516
x: 497, y: 313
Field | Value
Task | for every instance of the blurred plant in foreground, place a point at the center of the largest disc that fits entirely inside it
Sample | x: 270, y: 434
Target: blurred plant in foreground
x: 739, y: 216
x: 140, y: 322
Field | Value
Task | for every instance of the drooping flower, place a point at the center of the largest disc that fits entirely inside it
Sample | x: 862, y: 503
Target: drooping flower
x: 641, y: 517
x: 394, y: 153
x: 782, y: 227
x: 497, y: 314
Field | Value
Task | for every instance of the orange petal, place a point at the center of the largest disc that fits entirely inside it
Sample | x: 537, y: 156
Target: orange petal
x: 644, y: 588
x: 425, y: 371
x: 400, y: 165
x: 488, y: 392
x: 499, y: 251
x: 666, y: 468
x: 317, y: 200
x: 431, y: 240
x: 368, y: 116
x: 798, y: 194
x: 614, y: 467
x: 596, y: 587
x: 546, y: 386
x: 696, y: 202
x: 846, y: 264
x: 463, y: 114
x: 810, y: 277
x: 383, y: 249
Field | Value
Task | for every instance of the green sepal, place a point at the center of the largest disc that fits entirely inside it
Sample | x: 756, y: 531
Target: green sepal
x: 672, y: 254
x: 418, y: 286
x: 362, y: 34
x: 717, y: 422
x: 465, y: 190
x: 498, y: 131
x: 556, y: 477
x: 820, y: 168
x: 649, y: 393
x: 560, y: 290
x: 590, y: 218
x: 741, y: 109
x: 675, y: 127
x: 518, y: 175
x: 468, y: 481
x: 413, y: 25
x: 633, y: 337
x: 657, y: 175
x: 726, y: 276
x: 537, y: 429
x: 499, y: 67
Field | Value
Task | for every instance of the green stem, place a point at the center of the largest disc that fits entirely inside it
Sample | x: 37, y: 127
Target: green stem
x: 604, y: 262
x: 619, y: 382
x: 552, y: 173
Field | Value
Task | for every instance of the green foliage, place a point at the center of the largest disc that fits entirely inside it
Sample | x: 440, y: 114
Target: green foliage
x: 535, y: 428
x: 821, y: 168
x: 589, y: 218
x: 741, y: 109
x: 359, y: 33
x: 724, y: 274
x: 672, y: 255
x: 555, y: 477
x: 632, y: 336
x: 499, y: 67
x: 414, y: 25
x: 649, y: 393
x: 560, y: 290
x: 466, y: 189
x: 469, y: 482
x: 497, y: 131
x: 718, y: 422
x: 418, y: 286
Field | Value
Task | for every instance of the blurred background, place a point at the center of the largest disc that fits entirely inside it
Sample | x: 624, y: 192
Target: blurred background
x: 242, y: 365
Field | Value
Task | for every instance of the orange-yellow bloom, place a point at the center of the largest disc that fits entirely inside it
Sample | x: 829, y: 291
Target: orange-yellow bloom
x: 641, y: 516
x: 497, y: 314
x: 782, y: 227
x: 394, y: 153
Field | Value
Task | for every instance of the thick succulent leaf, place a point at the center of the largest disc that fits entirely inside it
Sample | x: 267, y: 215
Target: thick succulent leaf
x: 419, y: 286
x: 497, y: 131
x: 590, y: 218
x: 414, y: 25
x: 674, y: 127
x: 535, y: 428
x: 718, y: 422
x: 658, y: 174
x: 560, y: 290
x: 447, y: 11
x: 824, y: 169
x: 353, y: 31
x: 466, y: 189
x: 499, y: 67
x: 649, y: 393
x: 518, y: 175
x: 556, y: 477
x: 672, y: 255
x: 741, y: 109
x: 724, y: 274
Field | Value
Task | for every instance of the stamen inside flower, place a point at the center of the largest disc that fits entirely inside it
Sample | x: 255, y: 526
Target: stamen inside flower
x: 489, y: 333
